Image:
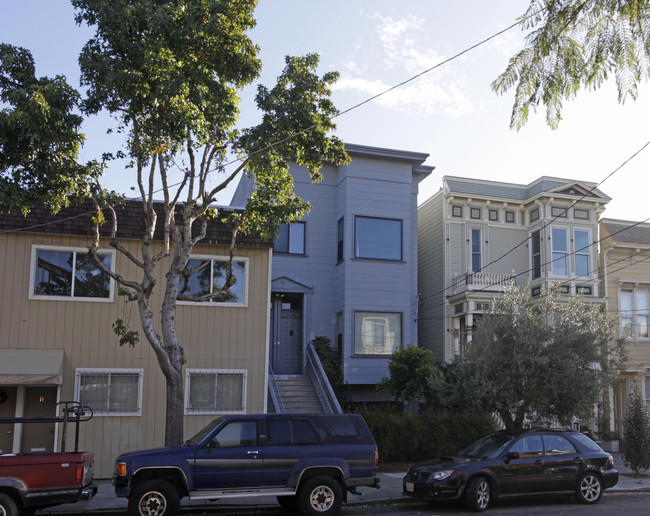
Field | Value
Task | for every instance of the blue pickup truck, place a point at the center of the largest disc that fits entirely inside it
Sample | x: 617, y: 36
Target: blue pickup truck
x: 309, y: 462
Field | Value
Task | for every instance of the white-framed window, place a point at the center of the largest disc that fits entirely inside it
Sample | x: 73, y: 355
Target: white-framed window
x: 205, y: 276
x: 536, y: 254
x: 456, y: 211
x: 534, y: 214
x: 493, y: 215
x: 291, y: 239
x: 647, y: 393
x: 475, y: 213
x: 634, y: 312
x: 110, y: 392
x: 377, y: 333
x: 215, y: 391
x: 69, y: 274
x: 475, y: 243
x: 557, y: 211
x: 560, y: 255
x: 582, y: 253
x: 377, y: 238
x: 580, y: 214
x: 510, y: 216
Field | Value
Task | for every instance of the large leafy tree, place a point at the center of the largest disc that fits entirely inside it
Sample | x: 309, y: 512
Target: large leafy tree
x: 171, y: 74
x: 550, y: 357
x: 576, y: 44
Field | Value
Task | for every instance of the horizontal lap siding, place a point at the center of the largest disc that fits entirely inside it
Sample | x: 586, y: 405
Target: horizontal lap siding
x: 213, y: 337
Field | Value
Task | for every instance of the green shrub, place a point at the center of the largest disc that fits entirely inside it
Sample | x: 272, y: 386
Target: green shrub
x: 407, y: 437
x: 636, y: 431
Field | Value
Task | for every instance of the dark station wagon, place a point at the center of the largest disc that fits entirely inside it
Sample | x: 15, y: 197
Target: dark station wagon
x: 509, y: 464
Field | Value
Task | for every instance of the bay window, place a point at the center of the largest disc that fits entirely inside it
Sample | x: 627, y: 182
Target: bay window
x: 377, y: 238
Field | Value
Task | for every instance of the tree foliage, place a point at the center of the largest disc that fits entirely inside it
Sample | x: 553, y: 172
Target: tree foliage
x: 547, y: 358
x: 413, y: 377
x: 576, y: 44
x: 40, y: 137
x: 636, y: 434
x: 171, y: 74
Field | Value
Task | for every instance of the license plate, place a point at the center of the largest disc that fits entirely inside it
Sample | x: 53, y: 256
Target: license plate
x: 409, y: 487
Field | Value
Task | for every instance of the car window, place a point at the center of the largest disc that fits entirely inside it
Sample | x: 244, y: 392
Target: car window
x: 557, y: 445
x: 528, y: 446
x: 487, y: 447
x: 586, y: 443
x: 237, y: 433
x: 287, y: 431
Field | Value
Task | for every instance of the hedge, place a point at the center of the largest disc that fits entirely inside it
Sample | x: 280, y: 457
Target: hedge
x: 405, y: 437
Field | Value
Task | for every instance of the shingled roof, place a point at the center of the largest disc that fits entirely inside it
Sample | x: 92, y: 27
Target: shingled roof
x: 76, y: 220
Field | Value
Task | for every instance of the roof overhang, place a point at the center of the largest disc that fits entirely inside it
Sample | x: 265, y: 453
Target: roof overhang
x: 31, y: 366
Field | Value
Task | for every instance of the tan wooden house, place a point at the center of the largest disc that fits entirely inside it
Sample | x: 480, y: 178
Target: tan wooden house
x: 625, y: 262
x: 57, y: 341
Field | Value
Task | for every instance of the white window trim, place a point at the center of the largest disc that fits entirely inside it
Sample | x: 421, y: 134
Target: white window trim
x: 567, y: 253
x: 191, y: 412
x: 244, y: 259
x: 582, y: 253
x: 84, y: 250
x: 635, y: 325
x: 378, y: 313
x: 482, y: 238
x: 81, y: 371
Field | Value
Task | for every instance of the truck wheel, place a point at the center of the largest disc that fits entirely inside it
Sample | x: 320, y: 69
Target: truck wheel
x: 154, y: 498
x: 7, y: 505
x: 320, y: 496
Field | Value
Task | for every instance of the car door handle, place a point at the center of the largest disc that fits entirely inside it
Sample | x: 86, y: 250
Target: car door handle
x: 253, y: 452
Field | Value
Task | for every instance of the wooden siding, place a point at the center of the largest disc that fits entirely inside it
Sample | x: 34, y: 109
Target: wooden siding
x: 213, y: 337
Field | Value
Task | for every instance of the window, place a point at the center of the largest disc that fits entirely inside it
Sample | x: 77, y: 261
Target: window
x: 339, y: 245
x: 456, y: 211
x: 204, y: 279
x: 339, y: 333
x: 560, y: 252
x: 237, y: 434
x: 582, y: 254
x: 536, y: 254
x: 493, y: 214
x: 377, y: 333
x: 378, y: 238
x: 475, y: 213
x: 291, y: 431
x: 642, y: 313
x: 110, y: 392
x: 557, y: 445
x: 534, y: 214
x: 580, y: 214
x: 70, y: 274
x: 213, y: 391
x: 626, y: 316
x: 510, y: 216
x: 556, y: 211
x: 647, y: 393
x: 476, y: 250
x: 291, y: 239
x: 634, y: 313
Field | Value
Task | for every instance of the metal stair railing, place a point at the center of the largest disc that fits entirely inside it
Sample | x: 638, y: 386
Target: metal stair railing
x: 321, y: 383
x: 274, y: 394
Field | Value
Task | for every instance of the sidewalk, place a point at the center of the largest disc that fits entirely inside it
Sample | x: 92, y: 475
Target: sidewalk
x: 391, y: 490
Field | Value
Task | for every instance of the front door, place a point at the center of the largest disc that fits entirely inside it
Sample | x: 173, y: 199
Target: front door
x: 286, y: 333
x: 39, y: 402
x: 7, y: 409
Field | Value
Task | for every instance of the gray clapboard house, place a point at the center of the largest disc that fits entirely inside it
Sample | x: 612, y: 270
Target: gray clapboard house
x: 348, y: 270
x: 475, y: 237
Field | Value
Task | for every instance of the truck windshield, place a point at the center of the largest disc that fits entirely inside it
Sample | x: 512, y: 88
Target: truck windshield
x: 203, y: 433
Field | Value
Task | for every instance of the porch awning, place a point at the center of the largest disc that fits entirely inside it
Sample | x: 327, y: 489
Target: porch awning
x: 31, y: 366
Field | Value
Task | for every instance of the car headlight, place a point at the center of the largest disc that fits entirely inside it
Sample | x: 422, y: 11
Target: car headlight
x: 441, y: 475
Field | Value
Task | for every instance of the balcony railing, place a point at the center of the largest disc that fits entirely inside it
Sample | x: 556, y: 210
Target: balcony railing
x: 487, y: 281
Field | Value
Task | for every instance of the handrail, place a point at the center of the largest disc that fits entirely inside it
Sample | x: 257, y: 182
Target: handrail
x: 274, y: 392
x: 321, y: 383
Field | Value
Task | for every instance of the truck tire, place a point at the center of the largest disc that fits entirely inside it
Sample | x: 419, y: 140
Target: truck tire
x: 320, y: 496
x: 154, y: 498
x: 7, y: 505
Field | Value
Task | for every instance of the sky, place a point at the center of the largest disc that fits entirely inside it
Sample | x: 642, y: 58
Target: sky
x: 451, y: 113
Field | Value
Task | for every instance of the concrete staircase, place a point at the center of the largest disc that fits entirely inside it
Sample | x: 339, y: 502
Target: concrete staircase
x: 298, y: 395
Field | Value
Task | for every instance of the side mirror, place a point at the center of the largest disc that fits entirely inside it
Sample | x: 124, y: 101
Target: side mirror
x: 512, y: 455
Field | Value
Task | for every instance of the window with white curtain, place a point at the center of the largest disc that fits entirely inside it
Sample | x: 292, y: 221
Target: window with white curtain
x: 215, y: 391
x: 377, y: 333
x: 634, y: 312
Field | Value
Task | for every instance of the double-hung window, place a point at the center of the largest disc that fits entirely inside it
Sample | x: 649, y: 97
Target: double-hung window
x: 215, y: 391
x: 291, y: 239
x: 204, y: 280
x: 582, y: 253
x: 70, y: 274
x: 634, y: 312
x: 377, y: 333
x: 560, y: 252
x: 377, y: 238
x: 476, y: 250
x: 536, y: 254
x: 110, y: 392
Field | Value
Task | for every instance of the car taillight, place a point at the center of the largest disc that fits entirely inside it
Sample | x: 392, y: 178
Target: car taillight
x: 376, y: 458
x: 610, y: 461
x: 79, y: 474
